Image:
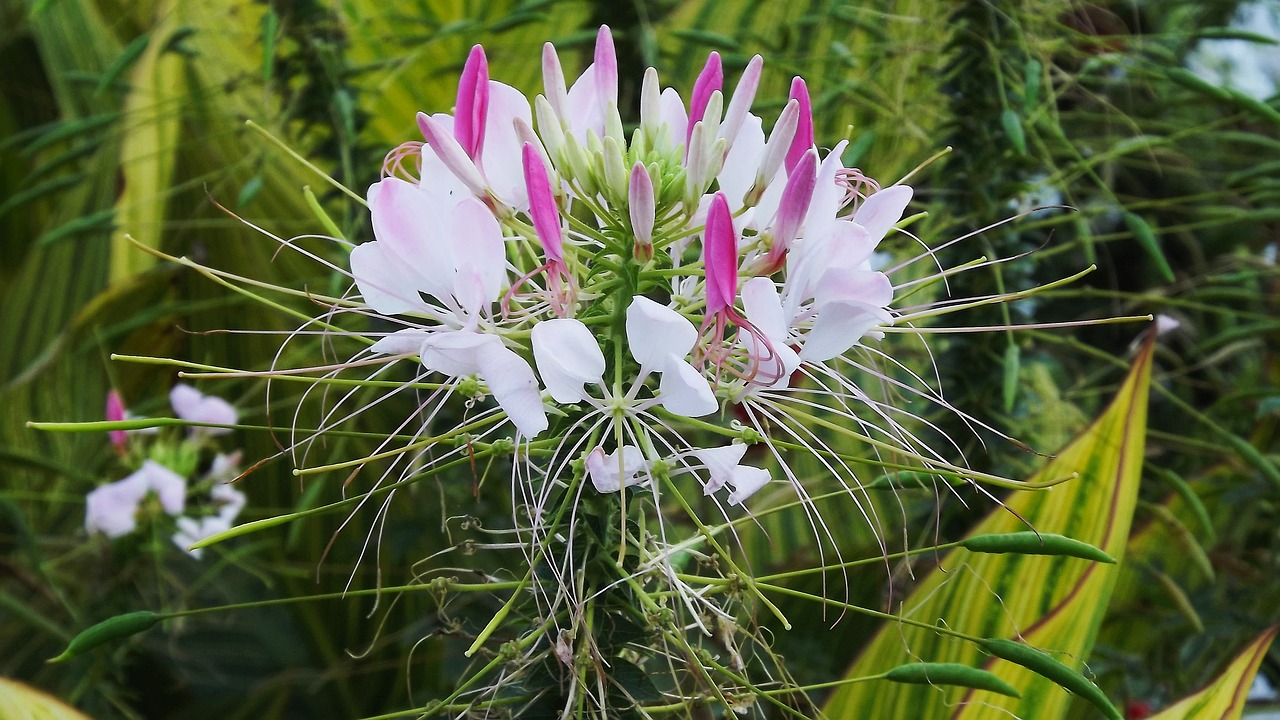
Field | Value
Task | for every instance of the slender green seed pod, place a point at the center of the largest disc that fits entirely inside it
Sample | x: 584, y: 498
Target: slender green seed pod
x: 109, y: 630
x: 1048, y: 667
x: 1028, y: 542
x: 931, y: 673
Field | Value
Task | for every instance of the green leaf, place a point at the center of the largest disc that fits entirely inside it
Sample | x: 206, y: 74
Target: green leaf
x: 109, y: 630
x: 927, y: 673
x: 1146, y: 236
x: 1049, y: 601
x: 1013, y: 130
x: 1224, y: 698
x: 1012, y: 363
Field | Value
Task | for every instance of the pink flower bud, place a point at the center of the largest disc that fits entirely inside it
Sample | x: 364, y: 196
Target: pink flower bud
x: 803, y: 139
x: 720, y: 256
x: 743, y: 95
x: 709, y: 80
x: 553, y: 84
x: 792, y: 208
x: 542, y: 205
x: 115, y: 412
x: 642, y: 205
x: 606, y: 68
x: 446, y: 147
x: 780, y: 140
x: 472, y: 108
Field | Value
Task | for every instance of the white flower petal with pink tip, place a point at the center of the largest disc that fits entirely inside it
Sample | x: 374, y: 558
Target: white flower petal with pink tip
x: 684, y: 391
x: 656, y: 331
x: 568, y: 357
x: 620, y: 468
x: 881, y: 211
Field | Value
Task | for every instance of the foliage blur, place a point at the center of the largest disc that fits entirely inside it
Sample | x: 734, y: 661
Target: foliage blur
x: 123, y: 129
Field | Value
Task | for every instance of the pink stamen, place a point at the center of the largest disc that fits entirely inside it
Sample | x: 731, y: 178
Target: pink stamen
x: 472, y: 109
x: 856, y: 186
x: 709, y: 80
x: 803, y: 139
x: 393, y: 163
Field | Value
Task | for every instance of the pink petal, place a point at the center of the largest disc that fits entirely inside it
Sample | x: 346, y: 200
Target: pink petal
x: 410, y: 225
x: 709, y: 80
x: 641, y: 204
x: 720, y: 256
x: 803, y: 139
x: 568, y: 357
x: 472, y: 108
x: 542, y: 205
x: 655, y: 331
x: 684, y: 391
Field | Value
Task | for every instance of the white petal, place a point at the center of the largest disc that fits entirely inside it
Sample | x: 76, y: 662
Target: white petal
x: 410, y: 224
x: 168, y: 485
x: 388, y: 285
x: 455, y: 353
x: 585, y: 111
x: 185, y: 400
x: 514, y: 387
x: 500, y: 157
x: 826, y: 193
x: 864, y: 287
x: 746, y: 481
x: 671, y: 108
x: 401, y: 342
x: 882, y: 210
x: 479, y: 253
x: 764, y: 308
x: 838, y: 327
x: 190, y: 404
x: 742, y: 162
x: 684, y: 391
x: 655, y: 331
x: 720, y: 463
x: 568, y: 357
x: 611, y: 474
x: 112, y: 508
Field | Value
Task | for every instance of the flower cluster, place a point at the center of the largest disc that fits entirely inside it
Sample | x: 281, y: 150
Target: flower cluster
x: 623, y: 287
x: 113, y: 509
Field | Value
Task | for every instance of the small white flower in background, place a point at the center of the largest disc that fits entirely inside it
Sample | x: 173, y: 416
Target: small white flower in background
x: 194, y: 406
x: 112, y: 509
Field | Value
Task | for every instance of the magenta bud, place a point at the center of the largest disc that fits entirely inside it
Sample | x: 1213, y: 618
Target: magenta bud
x: 803, y: 139
x: 642, y: 205
x: 709, y: 80
x: 472, y: 109
x: 793, y: 206
x: 115, y: 412
x: 720, y: 256
x: 542, y: 205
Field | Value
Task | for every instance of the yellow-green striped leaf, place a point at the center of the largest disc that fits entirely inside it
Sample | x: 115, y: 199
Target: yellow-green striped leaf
x: 22, y: 701
x: 1050, y: 602
x: 1224, y: 698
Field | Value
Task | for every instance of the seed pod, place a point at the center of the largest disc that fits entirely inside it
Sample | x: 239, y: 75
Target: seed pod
x: 932, y: 673
x: 1046, y: 666
x: 109, y: 630
x: 1032, y: 543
